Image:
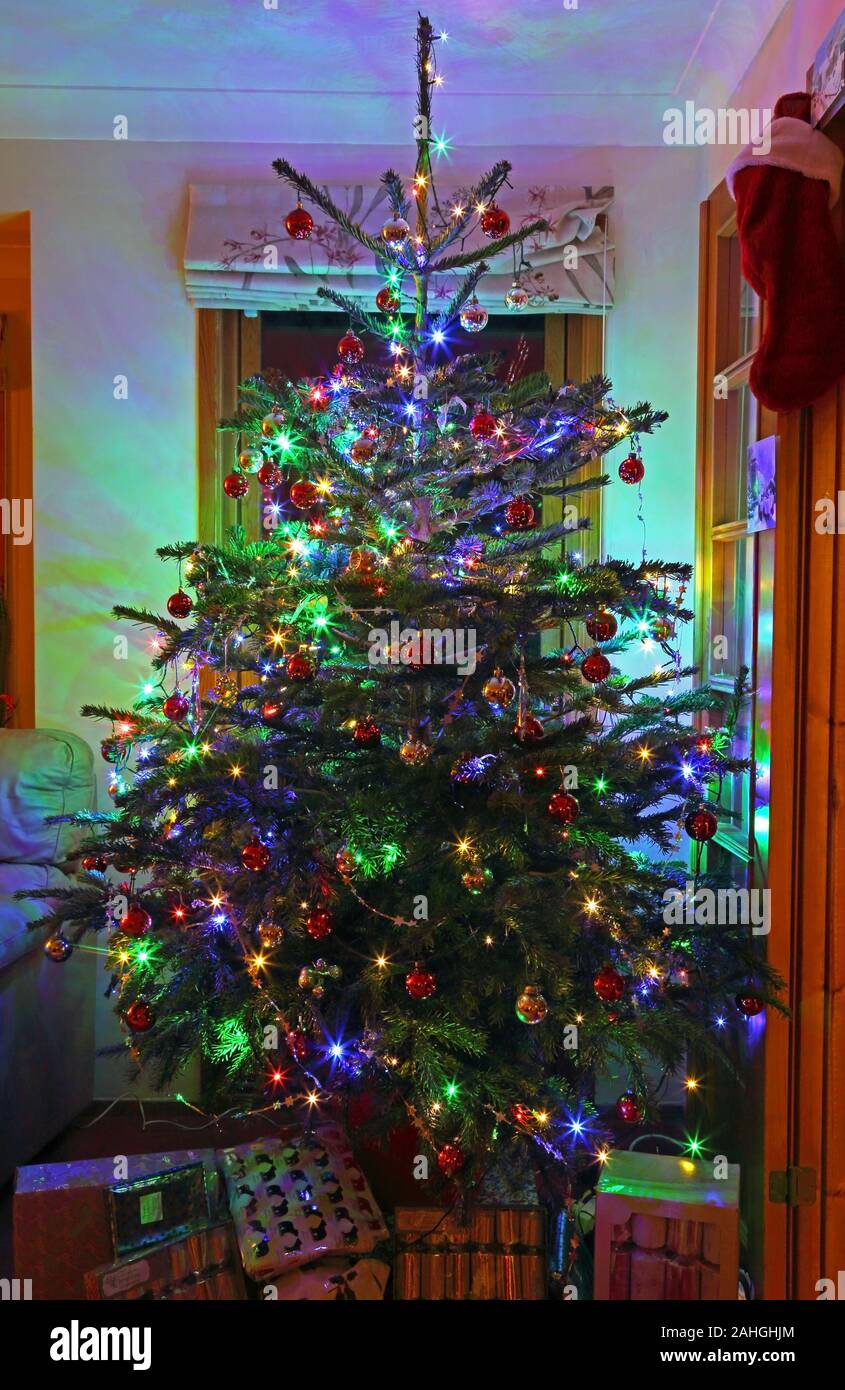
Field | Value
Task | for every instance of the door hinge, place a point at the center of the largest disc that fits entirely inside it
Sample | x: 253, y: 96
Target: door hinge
x: 796, y: 1187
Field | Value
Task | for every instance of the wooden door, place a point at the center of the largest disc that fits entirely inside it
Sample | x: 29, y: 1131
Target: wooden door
x: 790, y: 1136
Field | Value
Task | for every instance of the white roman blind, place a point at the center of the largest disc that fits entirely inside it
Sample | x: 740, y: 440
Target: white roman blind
x: 239, y: 256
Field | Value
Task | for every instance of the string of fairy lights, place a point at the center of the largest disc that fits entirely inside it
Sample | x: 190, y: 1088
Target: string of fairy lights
x: 317, y: 633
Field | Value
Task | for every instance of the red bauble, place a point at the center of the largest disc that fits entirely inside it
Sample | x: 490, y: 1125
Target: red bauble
x: 450, y: 1160
x: 236, y: 484
x: 299, y: 223
x: 367, y: 732
x: 609, y: 985
x: 139, y: 1016
x: 319, y: 923
x: 95, y: 863
x: 750, y: 1004
x: 595, y: 667
x: 632, y: 469
x: 420, y: 983
x: 529, y: 731
x: 269, y: 474
x: 179, y: 604
x: 350, y: 348
x: 176, y: 706
x: 272, y: 714
x: 701, y: 824
x: 629, y: 1109
x: 495, y: 222
x: 135, y: 922
x: 299, y: 667
x: 255, y: 855
x: 304, y: 494
x: 564, y: 807
x: 482, y: 425
x: 519, y: 514
x: 297, y: 1044
x: 601, y: 626
x: 387, y: 301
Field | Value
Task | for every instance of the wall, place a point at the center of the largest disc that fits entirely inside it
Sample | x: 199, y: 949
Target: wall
x: 114, y: 478
x: 779, y: 66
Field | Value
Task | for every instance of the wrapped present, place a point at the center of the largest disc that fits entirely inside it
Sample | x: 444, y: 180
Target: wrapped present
x: 666, y: 1229
x: 335, y: 1281
x: 159, y: 1207
x: 202, y: 1266
x: 297, y: 1199
x: 493, y: 1253
x: 62, y: 1217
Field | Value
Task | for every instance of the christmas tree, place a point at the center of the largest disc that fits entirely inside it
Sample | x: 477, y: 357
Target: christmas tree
x: 372, y: 831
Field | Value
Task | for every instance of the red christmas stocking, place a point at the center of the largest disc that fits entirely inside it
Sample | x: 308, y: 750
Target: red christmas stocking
x: 791, y: 258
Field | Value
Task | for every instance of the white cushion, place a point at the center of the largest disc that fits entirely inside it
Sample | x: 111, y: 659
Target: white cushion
x: 42, y: 773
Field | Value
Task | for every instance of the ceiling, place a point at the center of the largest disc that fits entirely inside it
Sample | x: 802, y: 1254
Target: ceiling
x: 522, y: 71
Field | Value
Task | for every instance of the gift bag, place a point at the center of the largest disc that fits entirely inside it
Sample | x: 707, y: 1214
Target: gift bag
x: 666, y: 1229
x: 293, y: 1200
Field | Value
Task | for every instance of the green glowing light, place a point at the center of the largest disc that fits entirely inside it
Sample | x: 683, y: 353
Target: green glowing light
x: 442, y: 145
x: 600, y: 784
x: 694, y: 1146
x: 451, y: 1090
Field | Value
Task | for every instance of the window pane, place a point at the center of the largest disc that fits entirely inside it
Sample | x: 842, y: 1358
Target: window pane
x: 731, y: 646
x: 738, y: 308
x: 734, y: 428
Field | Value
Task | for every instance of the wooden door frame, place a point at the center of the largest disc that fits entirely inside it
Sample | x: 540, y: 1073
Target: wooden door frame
x: 17, y: 570
x: 763, y: 1142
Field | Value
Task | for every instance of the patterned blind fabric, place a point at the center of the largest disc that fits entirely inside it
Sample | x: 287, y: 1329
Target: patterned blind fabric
x: 238, y: 254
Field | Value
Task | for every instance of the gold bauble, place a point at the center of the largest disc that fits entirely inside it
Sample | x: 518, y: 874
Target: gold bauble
x: 531, y: 1007
x: 477, y: 879
x: 361, y: 560
x: 498, y: 690
x: 272, y: 424
x: 250, y: 460
x: 345, y: 863
x: 362, y: 450
x: 395, y: 232
x: 270, y: 934
x: 225, y: 690
x: 414, y: 751
x: 308, y: 978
